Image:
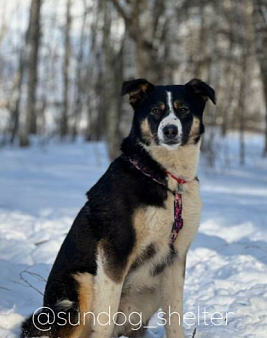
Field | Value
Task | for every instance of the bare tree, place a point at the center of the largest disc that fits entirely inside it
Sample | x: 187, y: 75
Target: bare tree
x: 146, y: 25
x: 79, y: 85
x: 29, y: 68
x: 113, y: 71
x: 260, y: 25
x: 33, y: 40
x: 15, y: 108
x: 64, y: 127
x: 242, y: 107
x: 3, y: 26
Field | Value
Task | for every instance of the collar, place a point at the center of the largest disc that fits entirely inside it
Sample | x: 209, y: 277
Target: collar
x: 178, y: 206
x: 148, y: 172
x: 157, y: 178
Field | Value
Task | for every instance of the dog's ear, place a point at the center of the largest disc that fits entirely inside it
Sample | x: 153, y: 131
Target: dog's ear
x: 202, y: 89
x: 137, y: 89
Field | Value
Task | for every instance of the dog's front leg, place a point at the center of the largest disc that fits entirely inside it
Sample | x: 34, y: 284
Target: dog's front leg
x: 107, y: 294
x: 172, y: 297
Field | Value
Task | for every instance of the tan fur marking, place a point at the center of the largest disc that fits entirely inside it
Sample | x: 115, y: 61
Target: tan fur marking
x: 152, y: 226
x: 144, y: 87
x: 146, y: 132
x: 161, y: 105
x: 133, y: 98
x: 195, y: 128
x: 176, y: 104
x: 85, y: 296
x: 135, y: 95
x: 139, y: 220
x: 182, y: 162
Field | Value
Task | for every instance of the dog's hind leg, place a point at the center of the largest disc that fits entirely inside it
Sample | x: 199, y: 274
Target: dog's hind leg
x: 85, y: 297
x: 63, y: 318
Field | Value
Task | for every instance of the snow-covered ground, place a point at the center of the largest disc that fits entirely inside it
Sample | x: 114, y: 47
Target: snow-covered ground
x: 42, y: 189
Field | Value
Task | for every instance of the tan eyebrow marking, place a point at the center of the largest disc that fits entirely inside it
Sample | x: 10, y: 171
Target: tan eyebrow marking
x: 161, y: 105
x: 177, y: 104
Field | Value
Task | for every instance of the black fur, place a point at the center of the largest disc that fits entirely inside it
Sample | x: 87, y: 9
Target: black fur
x: 133, y: 85
x: 148, y: 253
x: 202, y: 89
x: 160, y: 267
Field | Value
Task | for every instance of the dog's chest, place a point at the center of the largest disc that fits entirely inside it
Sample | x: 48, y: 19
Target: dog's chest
x: 152, y: 252
x: 153, y: 226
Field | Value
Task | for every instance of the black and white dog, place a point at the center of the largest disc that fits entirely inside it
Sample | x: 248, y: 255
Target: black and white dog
x: 125, y: 254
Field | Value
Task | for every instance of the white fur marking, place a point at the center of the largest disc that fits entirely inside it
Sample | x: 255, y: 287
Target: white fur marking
x: 169, y: 99
x: 170, y: 119
x: 108, y: 298
x: 64, y: 304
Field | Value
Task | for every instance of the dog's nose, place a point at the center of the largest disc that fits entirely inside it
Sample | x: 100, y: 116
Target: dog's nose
x: 170, y: 131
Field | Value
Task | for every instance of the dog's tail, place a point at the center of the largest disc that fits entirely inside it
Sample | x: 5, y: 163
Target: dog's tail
x: 50, y: 323
x: 31, y: 328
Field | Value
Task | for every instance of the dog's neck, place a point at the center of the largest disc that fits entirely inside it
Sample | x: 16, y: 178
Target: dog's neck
x: 181, y: 162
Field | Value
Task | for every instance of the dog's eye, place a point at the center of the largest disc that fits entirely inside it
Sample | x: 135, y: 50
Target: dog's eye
x: 183, y: 110
x: 155, y: 112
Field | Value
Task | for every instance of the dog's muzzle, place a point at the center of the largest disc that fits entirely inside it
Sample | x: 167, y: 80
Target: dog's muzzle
x: 170, y: 135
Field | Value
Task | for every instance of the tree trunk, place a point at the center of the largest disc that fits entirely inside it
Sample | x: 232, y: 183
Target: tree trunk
x: 230, y: 75
x: 142, y: 27
x: 34, y: 42
x: 79, y: 90
x: 113, y: 71
x: 64, y: 127
x: 241, y: 107
x: 260, y: 26
x: 30, y: 68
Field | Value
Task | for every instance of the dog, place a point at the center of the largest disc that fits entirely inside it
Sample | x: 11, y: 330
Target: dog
x: 125, y: 254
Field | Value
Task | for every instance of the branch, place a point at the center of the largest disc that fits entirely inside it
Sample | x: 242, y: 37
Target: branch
x: 36, y: 275
x: 127, y: 20
x: 264, y: 13
x: 158, y: 12
x: 122, y: 12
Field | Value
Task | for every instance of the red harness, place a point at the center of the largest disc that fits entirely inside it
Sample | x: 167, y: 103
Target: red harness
x: 178, y: 205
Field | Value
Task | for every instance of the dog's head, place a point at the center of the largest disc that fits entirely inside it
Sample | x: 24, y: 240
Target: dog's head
x: 168, y: 116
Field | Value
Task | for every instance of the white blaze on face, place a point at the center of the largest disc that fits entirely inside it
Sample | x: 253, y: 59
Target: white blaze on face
x: 170, y: 119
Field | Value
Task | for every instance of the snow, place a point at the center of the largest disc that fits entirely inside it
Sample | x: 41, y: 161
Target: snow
x: 43, y: 188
